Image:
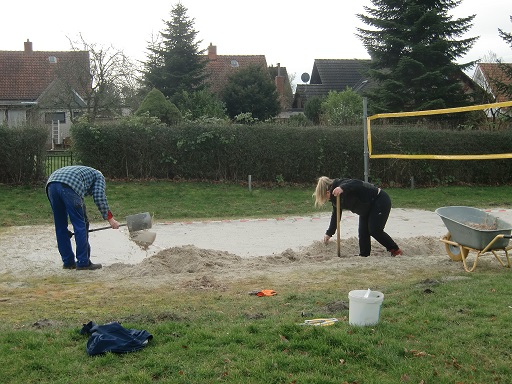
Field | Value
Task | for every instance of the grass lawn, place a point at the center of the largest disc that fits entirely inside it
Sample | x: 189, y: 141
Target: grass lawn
x: 167, y: 200
x: 438, y: 325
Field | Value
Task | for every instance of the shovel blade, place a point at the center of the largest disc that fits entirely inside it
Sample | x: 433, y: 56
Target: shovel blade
x: 139, y: 222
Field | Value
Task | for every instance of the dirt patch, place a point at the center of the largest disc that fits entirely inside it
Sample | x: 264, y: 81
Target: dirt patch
x: 180, y: 256
x: 188, y: 262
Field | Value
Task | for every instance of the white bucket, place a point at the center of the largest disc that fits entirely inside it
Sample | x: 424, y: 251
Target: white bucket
x: 364, y: 307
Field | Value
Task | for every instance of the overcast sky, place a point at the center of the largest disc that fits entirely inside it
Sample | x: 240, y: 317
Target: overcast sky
x: 292, y: 33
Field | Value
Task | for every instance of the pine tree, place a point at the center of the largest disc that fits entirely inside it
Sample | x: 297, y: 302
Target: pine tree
x: 413, y: 48
x: 176, y: 63
x: 251, y: 90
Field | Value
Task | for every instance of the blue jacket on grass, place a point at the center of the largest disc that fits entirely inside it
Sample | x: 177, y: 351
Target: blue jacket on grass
x: 114, y: 338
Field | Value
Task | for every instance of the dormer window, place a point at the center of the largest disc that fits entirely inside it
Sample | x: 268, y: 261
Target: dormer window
x: 234, y: 64
x: 52, y: 59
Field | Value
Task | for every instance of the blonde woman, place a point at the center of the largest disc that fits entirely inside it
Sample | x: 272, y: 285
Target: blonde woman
x: 372, y: 204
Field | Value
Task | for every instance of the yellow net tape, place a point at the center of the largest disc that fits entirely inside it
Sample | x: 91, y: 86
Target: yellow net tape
x: 436, y: 112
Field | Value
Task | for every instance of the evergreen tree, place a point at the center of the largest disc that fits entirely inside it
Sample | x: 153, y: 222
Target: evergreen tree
x: 504, y: 86
x: 176, y: 63
x: 413, y: 48
x: 251, y: 90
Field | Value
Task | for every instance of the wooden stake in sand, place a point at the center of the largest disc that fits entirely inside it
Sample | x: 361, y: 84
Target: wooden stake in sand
x: 338, y: 219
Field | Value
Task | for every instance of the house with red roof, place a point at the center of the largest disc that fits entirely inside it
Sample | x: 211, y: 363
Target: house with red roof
x: 46, y: 87
x: 220, y: 67
x: 486, y: 75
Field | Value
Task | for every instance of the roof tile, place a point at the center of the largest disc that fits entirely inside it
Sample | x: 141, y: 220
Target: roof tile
x: 220, y: 68
x: 25, y: 75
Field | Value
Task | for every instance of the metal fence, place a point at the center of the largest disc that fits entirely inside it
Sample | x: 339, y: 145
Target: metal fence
x: 56, y: 160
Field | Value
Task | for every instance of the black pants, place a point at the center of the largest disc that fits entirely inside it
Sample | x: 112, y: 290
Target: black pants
x: 372, y: 225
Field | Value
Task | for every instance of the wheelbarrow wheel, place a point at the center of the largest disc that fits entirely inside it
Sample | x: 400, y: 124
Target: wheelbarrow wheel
x: 455, y: 252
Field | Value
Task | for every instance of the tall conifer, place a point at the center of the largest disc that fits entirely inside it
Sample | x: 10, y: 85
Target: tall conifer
x: 413, y: 46
x: 175, y: 63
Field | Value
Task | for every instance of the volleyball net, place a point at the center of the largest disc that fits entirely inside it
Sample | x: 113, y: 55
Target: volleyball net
x: 435, y: 112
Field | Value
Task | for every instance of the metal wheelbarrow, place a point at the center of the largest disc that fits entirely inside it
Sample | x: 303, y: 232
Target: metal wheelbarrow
x: 471, y: 229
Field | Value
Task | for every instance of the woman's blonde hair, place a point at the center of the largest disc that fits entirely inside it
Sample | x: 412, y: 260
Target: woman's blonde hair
x: 322, y: 186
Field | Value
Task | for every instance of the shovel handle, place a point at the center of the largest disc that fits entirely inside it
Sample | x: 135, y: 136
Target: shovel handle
x: 102, y: 228
x: 338, y: 219
x: 71, y: 234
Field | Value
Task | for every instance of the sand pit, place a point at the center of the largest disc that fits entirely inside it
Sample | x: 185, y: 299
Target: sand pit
x: 197, y: 252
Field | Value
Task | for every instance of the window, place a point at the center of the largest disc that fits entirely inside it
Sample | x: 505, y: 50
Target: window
x: 77, y: 114
x: 55, y: 116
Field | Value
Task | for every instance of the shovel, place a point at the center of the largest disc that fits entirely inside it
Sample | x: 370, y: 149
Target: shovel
x: 137, y: 225
x: 338, y: 219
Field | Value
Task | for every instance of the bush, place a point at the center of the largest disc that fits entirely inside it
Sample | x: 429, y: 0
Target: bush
x: 144, y: 148
x: 342, y: 108
x: 299, y: 120
x: 199, y: 105
x: 313, y: 109
x: 134, y: 147
x: 156, y: 105
x: 22, y: 153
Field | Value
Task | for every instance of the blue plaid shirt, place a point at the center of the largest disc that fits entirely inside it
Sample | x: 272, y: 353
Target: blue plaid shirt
x: 85, y: 181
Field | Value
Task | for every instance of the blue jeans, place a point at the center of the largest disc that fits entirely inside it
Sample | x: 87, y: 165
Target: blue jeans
x: 66, y: 202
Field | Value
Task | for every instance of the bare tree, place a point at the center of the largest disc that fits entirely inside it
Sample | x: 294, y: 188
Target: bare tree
x: 109, y: 83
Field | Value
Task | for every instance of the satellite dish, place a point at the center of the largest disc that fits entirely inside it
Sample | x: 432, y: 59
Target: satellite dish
x: 304, y: 77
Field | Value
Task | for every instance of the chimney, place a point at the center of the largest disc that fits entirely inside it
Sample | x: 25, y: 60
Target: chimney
x: 28, y: 46
x: 212, y: 52
x: 279, y: 81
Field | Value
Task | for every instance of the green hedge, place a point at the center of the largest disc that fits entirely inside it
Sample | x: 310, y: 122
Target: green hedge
x: 141, y: 148
x: 407, y: 140
x: 22, y: 154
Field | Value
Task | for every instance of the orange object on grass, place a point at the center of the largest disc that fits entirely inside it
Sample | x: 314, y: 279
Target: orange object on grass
x: 266, y: 292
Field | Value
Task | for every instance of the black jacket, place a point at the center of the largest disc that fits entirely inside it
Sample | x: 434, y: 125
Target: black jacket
x: 357, y: 197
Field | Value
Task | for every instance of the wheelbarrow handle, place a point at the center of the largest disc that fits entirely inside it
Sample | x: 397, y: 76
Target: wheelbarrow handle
x: 71, y: 234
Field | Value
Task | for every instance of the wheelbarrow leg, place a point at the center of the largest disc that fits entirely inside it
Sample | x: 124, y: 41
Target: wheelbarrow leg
x: 500, y: 259
x: 464, y: 255
x: 489, y: 248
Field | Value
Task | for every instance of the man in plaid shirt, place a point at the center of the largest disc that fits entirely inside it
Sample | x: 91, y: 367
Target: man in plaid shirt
x: 66, y: 189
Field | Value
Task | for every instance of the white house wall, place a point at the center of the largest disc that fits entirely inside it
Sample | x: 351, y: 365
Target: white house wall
x: 15, y: 117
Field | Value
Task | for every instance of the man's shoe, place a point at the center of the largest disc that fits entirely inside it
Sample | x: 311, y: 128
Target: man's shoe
x: 71, y: 266
x: 396, y: 252
x: 90, y: 267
